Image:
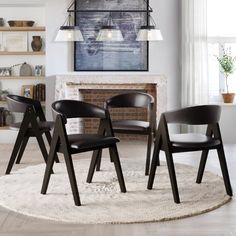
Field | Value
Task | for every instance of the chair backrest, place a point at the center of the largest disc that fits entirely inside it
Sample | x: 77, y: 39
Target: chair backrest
x: 19, y: 104
x: 196, y: 115
x: 74, y: 109
x: 134, y: 99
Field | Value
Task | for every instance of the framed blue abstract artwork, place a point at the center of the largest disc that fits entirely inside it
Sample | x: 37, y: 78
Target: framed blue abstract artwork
x: 126, y: 55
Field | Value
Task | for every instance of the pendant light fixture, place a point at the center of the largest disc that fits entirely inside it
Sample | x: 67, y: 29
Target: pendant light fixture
x: 68, y: 32
x: 149, y: 32
x: 109, y: 32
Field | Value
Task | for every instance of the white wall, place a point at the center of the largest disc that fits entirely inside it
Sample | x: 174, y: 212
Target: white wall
x: 227, y: 123
x: 163, y: 58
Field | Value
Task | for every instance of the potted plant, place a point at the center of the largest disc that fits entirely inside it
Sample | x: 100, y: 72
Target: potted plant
x: 227, y: 65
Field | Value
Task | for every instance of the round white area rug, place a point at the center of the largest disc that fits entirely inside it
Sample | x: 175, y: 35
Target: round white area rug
x: 102, y: 201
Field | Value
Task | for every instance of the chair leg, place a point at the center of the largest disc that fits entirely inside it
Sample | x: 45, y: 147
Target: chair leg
x: 202, y: 166
x: 22, y: 149
x: 92, y: 166
x: 224, y: 169
x: 149, y: 147
x: 42, y: 147
x: 155, y: 160
x: 72, y: 178
x: 49, y: 166
x: 49, y: 139
x: 99, y: 160
x: 157, y: 146
x: 15, y: 150
x: 171, y: 169
x: 115, y: 157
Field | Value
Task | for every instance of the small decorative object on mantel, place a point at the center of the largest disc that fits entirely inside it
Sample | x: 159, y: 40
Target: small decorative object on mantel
x: 36, y: 43
x: 25, y: 70
x: 227, y: 64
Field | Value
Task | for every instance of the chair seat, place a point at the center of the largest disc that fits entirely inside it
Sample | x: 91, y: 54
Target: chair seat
x: 193, y: 140
x: 43, y: 126
x: 90, y: 141
x: 132, y: 126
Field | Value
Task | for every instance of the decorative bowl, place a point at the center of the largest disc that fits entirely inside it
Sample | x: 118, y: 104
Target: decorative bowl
x: 20, y: 23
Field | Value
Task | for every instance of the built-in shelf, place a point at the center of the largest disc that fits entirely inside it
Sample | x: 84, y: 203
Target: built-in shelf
x: 36, y: 28
x: 21, y: 53
x: 22, y: 77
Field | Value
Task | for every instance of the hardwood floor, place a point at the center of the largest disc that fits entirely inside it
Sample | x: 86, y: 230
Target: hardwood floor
x: 218, y: 222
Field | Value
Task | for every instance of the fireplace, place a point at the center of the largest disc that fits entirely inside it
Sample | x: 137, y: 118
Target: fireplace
x: 97, y: 88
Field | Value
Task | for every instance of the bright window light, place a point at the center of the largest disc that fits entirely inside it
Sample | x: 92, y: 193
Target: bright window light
x: 221, y: 18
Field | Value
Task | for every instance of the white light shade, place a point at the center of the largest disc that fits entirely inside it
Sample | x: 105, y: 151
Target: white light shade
x: 149, y: 33
x: 109, y: 33
x: 68, y: 34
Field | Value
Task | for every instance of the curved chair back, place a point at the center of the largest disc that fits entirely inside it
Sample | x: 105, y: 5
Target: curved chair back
x: 19, y: 104
x: 135, y: 99
x: 197, y: 115
x: 74, y: 109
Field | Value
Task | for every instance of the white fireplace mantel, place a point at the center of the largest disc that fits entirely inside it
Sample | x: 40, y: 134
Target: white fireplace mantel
x: 68, y: 86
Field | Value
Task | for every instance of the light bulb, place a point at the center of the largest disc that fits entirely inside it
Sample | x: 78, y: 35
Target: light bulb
x: 109, y: 35
x: 70, y: 35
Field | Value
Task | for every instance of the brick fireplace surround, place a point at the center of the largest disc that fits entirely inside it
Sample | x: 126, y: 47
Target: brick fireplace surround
x: 97, y: 88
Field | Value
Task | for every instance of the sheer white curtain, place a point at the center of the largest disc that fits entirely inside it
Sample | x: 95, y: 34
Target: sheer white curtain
x: 194, y: 53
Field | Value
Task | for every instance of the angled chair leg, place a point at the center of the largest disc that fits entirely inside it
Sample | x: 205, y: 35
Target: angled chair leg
x: 115, y: 157
x: 49, y: 139
x: 224, y: 170
x: 171, y: 169
x: 22, y: 149
x: 202, y: 166
x: 15, y: 150
x: 149, y: 147
x: 99, y: 160
x: 49, y: 165
x: 42, y: 147
x: 20, y: 137
x: 92, y: 166
x: 157, y: 146
x: 13, y: 157
x: 155, y: 160
x: 72, y: 178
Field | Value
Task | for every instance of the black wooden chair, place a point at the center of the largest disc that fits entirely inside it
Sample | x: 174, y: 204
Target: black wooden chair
x: 34, y: 124
x: 134, y: 100
x: 198, y: 115
x: 78, y: 143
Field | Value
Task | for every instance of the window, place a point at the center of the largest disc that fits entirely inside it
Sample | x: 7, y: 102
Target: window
x: 221, y: 18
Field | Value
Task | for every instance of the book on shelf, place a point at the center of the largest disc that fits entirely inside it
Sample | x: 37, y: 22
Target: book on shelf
x: 39, y: 92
